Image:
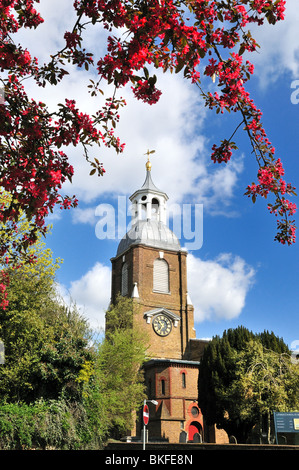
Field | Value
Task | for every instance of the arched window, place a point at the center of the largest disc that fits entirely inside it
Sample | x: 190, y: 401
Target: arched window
x: 161, y: 276
x: 135, y: 210
x: 124, y: 279
x: 143, y: 208
x: 155, y: 208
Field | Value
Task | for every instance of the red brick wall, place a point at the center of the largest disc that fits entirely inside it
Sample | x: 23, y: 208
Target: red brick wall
x: 173, y: 412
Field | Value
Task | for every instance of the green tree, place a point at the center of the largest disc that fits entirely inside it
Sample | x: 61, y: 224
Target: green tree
x: 67, y: 346
x: 45, y: 342
x: 273, y: 342
x: 266, y: 381
x: 223, y: 374
x: 113, y: 385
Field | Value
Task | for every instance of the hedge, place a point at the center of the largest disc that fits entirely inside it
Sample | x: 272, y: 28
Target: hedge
x: 54, y: 424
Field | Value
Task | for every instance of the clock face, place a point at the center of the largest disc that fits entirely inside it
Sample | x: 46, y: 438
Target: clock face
x: 162, y: 325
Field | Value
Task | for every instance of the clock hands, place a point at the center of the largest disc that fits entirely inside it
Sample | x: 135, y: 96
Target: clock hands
x: 162, y: 325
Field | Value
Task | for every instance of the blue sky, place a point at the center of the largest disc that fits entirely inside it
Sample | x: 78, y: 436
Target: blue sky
x: 239, y: 276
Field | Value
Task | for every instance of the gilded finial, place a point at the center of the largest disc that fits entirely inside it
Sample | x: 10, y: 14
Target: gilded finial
x: 148, y: 164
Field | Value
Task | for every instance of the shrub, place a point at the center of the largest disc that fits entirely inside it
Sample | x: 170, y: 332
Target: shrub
x: 55, y: 424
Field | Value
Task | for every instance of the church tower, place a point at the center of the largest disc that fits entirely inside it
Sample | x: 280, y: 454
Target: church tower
x: 151, y: 267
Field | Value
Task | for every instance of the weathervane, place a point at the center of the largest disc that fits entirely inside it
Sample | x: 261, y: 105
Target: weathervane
x: 148, y: 164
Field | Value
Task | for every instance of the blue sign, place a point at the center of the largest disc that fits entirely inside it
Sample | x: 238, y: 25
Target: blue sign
x: 287, y: 422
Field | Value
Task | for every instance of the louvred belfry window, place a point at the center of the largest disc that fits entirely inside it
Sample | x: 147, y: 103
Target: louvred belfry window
x: 124, y: 279
x: 161, y: 276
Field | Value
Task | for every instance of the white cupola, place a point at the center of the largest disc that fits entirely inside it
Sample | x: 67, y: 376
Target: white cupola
x: 148, y: 202
x: 149, y: 219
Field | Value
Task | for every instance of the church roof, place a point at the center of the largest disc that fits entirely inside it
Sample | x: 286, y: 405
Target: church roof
x: 150, y: 233
x: 149, y: 186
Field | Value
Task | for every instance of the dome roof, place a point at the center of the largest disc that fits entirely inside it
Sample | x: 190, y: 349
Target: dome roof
x: 150, y: 233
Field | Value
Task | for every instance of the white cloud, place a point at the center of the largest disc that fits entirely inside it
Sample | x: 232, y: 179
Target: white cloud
x: 279, y: 47
x: 161, y: 127
x: 84, y: 216
x: 218, y: 288
x: 181, y: 165
x: 48, y: 37
x: 216, y: 187
x: 91, y: 294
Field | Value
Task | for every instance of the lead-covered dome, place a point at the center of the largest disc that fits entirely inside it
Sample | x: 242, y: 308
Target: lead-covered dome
x: 150, y: 233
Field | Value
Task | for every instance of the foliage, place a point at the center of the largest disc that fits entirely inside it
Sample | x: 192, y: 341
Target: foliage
x: 241, y: 380
x: 17, y: 252
x: 120, y: 315
x: 53, y: 424
x: 57, y: 391
x: 45, y: 341
x: 267, y: 379
x: 113, y: 385
x: 196, y: 38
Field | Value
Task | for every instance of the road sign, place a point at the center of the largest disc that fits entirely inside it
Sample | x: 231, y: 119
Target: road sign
x: 145, y: 415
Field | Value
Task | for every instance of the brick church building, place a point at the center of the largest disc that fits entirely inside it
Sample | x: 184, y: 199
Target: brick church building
x: 150, y: 266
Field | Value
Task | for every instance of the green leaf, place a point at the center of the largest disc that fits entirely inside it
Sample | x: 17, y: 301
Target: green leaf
x: 180, y: 65
x: 242, y: 49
